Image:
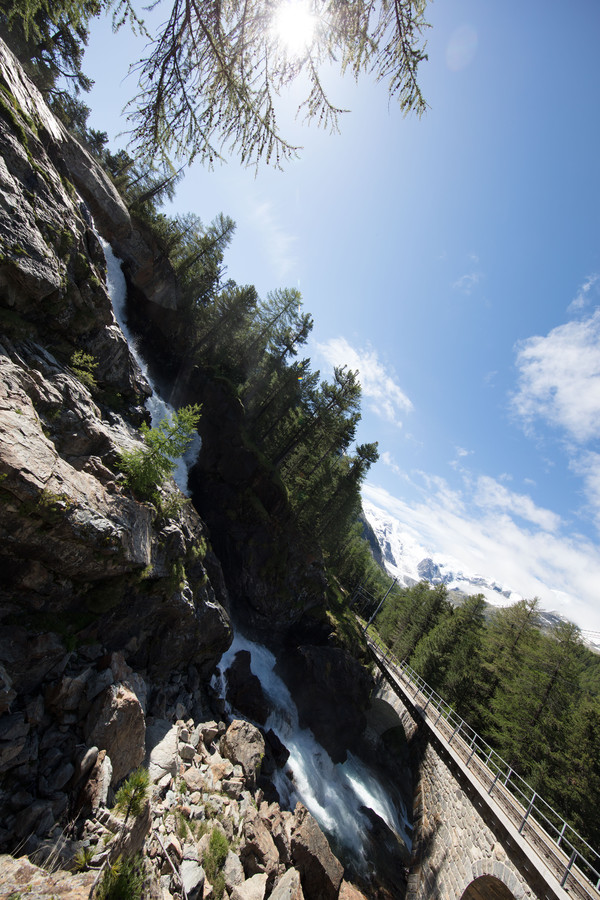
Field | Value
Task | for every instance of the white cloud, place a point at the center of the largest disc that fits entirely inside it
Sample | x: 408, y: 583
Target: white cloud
x: 559, y: 378
x: 491, y: 495
x: 383, y: 395
x: 467, y: 282
x: 587, y: 466
x: 388, y: 460
x: 277, y: 241
x: 583, y: 295
x: 564, y: 571
x: 461, y: 454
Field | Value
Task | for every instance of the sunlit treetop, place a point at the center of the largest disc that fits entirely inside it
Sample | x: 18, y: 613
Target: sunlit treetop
x: 209, y: 83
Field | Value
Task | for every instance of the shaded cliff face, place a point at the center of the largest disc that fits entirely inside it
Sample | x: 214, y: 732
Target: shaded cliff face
x: 73, y: 537
x: 85, y: 569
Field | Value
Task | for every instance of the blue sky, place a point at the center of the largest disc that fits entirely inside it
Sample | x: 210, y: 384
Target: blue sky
x: 455, y: 261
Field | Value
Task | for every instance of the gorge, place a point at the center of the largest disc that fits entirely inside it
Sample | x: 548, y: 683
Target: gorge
x: 115, y: 612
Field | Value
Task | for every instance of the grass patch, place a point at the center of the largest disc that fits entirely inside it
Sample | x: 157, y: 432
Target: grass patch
x: 214, y: 860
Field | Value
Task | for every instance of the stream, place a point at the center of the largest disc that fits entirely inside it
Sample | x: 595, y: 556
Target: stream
x: 332, y: 792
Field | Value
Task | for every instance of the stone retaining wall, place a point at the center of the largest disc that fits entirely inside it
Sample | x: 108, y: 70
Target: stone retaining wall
x: 453, y: 844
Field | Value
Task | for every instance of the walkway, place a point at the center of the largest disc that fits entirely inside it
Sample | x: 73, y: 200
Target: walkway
x: 570, y: 866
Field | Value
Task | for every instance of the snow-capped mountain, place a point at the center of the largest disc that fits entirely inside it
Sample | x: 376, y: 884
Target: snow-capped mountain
x: 406, y: 559
x: 409, y: 561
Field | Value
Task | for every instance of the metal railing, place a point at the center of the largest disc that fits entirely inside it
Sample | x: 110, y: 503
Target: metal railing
x: 568, y: 856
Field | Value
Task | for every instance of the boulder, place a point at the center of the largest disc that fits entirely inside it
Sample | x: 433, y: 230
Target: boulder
x: 85, y: 762
x: 252, y: 889
x: 244, y: 690
x: 161, y: 749
x: 194, y: 779
x: 288, y: 887
x: 116, y: 723
x: 280, y: 823
x: 243, y: 744
x: 233, y: 871
x: 132, y: 833
x: 19, y: 877
x: 385, y: 849
x: 192, y: 876
x: 350, y: 892
x: 258, y: 852
x: 276, y: 753
x: 95, y: 790
x: 321, y: 872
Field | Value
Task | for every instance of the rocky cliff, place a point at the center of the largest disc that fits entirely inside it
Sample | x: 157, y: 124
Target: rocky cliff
x: 86, y: 570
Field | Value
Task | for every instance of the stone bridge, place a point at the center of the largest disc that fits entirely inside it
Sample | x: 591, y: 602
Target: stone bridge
x: 472, y: 839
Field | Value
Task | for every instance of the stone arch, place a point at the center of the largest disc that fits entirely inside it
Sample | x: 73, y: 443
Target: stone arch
x: 382, y: 717
x: 487, y: 887
x: 492, y: 880
x: 387, y: 712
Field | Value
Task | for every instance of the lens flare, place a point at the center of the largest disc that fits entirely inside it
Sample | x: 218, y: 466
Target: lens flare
x: 294, y: 26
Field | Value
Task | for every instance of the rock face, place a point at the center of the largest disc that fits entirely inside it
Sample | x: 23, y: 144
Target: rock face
x: 93, y: 583
x: 320, y: 872
x: 244, y: 690
x: 316, y: 674
x: 243, y: 743
x: 273, y: 578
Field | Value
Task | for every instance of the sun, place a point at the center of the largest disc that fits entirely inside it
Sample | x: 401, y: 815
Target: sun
x: 294, y: 26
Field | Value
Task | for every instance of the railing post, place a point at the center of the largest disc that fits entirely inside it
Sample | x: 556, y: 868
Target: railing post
x: 458, y: 727
x: 472, y: 750
x: 494, y: 783
x: 568, y: 869
x: 526, y: 816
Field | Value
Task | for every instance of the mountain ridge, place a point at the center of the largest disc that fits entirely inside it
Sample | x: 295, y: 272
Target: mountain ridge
x: 405, y: 559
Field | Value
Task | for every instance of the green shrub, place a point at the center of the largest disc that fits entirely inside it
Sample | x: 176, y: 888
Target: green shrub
x: 82, y: 859
x: 131, y: 795
x: 83, y: 365
x: 149, y: 467
x: 123, y: 880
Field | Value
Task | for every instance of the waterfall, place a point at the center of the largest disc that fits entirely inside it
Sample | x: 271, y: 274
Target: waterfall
x: 332, y: 792
x: 156, y: 406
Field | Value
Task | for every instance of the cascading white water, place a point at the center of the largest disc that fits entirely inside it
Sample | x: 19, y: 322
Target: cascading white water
x: 332, y: 792
x: 156, y: 406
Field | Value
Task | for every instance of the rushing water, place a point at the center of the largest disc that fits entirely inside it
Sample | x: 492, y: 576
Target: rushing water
x: 156, y: 406
x: 332, y: 792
